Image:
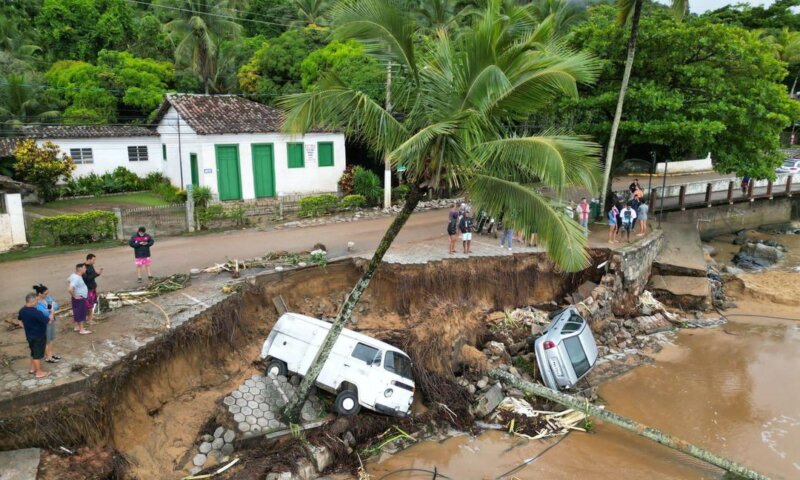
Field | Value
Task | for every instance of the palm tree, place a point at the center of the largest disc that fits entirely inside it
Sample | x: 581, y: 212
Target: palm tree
x: 311, y: 12
x: 442, y: 13
x: 787, y: 49
x: 16, y: 43
x: 462, y: 94
x: 629, y: 10
x: 197, y: 27
x: 19, y: 104
x: 564, y: 13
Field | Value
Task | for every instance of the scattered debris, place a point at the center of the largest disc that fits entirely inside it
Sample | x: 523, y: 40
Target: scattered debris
x: 523, y: 420
x: 159, y: 286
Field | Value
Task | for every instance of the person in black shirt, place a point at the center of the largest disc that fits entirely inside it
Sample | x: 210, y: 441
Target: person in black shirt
x: 35, y: 324
x: 634, y: 186
x: 90, y: 279
x: 141, y: 243
x: 466, y: 225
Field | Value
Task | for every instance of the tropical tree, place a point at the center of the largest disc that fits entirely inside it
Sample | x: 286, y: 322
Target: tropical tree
x: 462, y: 94
x: 197, y: 27
x: 311, y: 12
x: 564, y: 13
x: 629, y: 11
x: 787, y: 49
x: 17, y: 45
x: 20, y: 103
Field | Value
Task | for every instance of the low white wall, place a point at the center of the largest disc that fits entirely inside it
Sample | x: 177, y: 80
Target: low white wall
x: 110, y: 153
x: 12, y: 223
x: 695, y: 188
x: 687, y: 166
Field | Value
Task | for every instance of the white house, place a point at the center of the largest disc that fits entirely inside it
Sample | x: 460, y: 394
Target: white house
x: 12, y: 220
x: 225, y: 142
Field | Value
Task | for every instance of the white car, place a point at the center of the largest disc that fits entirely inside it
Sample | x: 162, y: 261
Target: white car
x: 789, y: 166
x: 566, y: 351
x: 360, y: 371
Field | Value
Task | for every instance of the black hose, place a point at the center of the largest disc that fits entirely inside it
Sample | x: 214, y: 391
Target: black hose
x: 433, y: 472
x: 532, y: 459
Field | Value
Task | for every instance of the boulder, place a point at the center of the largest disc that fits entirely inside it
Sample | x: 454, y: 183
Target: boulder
x: 488, y: 400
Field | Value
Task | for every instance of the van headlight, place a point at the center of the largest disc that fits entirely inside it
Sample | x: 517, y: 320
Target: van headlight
x: 388, y: 392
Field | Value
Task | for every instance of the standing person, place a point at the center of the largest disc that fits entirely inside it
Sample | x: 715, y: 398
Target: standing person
x: 35, y: 324
x: 634, y: 186
x: 635, y: 206
x: 745, y: 185
x: 612, y: 224
x: 46, y: 305
x: 466, y: 226
x: 452, y: 226
x: 508, y: 236
x: 90, y: 279
x: 78, y: 291
x: 641, y: 215
x: 628, y: 216
x: 141, y: 243
x: 583, y: 216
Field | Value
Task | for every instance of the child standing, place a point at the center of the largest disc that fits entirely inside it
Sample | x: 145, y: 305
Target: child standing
x: 612, y: 224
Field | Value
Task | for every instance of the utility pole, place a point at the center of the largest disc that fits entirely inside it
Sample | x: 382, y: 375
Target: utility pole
x: 652, y: 171
x: 387, y: 171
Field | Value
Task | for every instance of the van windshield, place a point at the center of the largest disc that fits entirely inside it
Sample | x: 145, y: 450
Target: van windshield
x: 399, y: 364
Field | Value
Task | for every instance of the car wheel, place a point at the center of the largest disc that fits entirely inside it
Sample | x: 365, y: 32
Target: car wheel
x: 276, y: 367
x: 347, y: 403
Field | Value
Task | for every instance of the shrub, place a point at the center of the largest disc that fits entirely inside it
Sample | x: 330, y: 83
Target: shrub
x: 400, y: 192
x: 77, y: 228
x: 315, y: 205
x: 237, y: 215
x: 123, y: 180
x: 208, y: 214
x: 353, y: 201
x: 201, y: 196
x: 154, y: 179
x: 368, y: 185
x: 169, y: 194
x: 42, y: 167
x: 91, y: 184
x: 119, y: 181
x: 346, y: 180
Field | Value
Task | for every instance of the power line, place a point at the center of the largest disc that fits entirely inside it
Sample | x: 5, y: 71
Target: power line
x: 229, y: 17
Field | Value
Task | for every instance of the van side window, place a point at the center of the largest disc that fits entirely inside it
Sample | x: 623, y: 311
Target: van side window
x: 365, y: 353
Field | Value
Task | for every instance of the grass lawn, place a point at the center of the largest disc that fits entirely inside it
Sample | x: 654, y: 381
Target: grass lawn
x: 76, y: 205
x: 32, y: 252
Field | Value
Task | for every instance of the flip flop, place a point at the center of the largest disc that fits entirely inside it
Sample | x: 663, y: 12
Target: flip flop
x: 85, y: 332
x: 56, y: 357
x: 46, y: 374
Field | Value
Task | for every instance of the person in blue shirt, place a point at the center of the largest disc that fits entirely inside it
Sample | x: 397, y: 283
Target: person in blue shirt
x: 35, y: 324
x: 46, y: 305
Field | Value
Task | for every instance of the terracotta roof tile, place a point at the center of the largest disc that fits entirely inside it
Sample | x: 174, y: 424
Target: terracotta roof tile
x: 220, y: 114
x: 87, y: 131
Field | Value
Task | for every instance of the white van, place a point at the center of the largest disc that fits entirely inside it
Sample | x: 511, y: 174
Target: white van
x: 360, y: 370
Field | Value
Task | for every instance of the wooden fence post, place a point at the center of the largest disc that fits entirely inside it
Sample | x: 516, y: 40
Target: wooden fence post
x: 769, y: 189
x: 730, y: 192
x: 682, y: 198
x: 789, y: 186
x: 118, y: 214
x: 708, y: 194
x: 750, y: 187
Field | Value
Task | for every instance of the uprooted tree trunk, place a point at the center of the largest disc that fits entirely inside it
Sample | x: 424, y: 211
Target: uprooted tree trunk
x: 584, y: 406
x: 292, y: 411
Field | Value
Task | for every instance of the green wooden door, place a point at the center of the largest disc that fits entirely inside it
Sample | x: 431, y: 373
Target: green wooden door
x: 263, y: 171
x: 229, y: 180
x: 195, y: 172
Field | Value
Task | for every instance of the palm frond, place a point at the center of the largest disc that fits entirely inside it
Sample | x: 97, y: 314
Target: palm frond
x: 526, y: 209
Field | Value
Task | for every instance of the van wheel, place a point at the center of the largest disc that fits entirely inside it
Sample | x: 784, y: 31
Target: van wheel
x: 276, y: 367
x: 347, y: 403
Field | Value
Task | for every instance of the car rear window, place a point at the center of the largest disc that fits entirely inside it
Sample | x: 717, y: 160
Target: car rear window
x: 577, y: 356
x: 399, y: 364
x: 365, y: 353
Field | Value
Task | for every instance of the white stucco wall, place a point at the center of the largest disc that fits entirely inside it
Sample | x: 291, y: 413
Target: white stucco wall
x: 687, y: 166
x: 110, y: 153
x: 309, y: 179
x: 12, y: 223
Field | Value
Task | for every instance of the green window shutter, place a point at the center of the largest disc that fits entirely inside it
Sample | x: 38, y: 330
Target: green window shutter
x: 325, y: 154
x: 294, y: 152
x: 164, y: 151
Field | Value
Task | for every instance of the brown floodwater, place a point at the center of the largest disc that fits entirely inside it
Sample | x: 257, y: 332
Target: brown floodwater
x: 733, y: 390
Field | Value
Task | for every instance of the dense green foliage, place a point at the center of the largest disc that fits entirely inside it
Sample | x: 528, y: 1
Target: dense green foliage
x: 315, y: 205
x: 75, y: 229
x: 368, y: 185
x: 697, y: 87
x: 42, y: 166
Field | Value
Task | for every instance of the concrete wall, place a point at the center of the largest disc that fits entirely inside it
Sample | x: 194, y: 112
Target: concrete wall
x: 723, y: 219
x: 310, y: 179
x: 12, y: 223
x: 694, y: 188
x: 687, y: 166
x: 110, y: 153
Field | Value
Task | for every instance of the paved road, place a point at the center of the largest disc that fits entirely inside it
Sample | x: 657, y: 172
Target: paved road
x: 179, y: 254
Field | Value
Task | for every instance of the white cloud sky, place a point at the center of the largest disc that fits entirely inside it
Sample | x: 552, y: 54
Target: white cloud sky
x: 700, y: 6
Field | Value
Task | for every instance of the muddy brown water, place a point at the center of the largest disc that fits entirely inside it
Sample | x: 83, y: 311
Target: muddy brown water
x: 732, y: 390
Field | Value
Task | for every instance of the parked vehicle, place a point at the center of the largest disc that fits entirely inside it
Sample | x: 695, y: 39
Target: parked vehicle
x: 360, y: 371
x: 789, y: 166
x: 566, y: 350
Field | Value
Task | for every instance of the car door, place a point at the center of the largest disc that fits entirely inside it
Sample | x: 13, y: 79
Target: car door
x: 359, y: 370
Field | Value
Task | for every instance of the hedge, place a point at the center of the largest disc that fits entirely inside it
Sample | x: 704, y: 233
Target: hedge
x: 316, y: 205
x: 353, y: 201
x: 76, y: 228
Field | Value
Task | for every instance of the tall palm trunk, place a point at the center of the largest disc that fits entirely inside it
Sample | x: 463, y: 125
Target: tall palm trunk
x: 623, y: 89
x: 292, y: 411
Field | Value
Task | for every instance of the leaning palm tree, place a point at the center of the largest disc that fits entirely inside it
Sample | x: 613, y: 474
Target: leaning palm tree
x: 197, y: 27
x: 462, y: 95
x: 20, y: 105
x: 311, y: 12
x: 629, y: 10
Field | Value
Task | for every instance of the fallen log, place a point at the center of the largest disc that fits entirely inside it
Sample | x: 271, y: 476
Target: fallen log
x: 583, y: 405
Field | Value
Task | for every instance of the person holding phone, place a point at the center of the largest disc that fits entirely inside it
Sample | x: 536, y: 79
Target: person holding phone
x: 90, y: 279
x: 48, y: 306
x: 141, y: 243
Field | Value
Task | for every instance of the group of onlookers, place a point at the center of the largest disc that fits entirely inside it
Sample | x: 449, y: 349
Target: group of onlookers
x: 624, y: 216
x: 38, y: 316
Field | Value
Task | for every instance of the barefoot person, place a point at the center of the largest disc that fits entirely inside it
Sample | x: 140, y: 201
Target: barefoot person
x: 141, y: 243
x: 90, y: 278
x: 466, y: 226
x: 452, y: 226
x: 79, y: 292
x: 46, y: 305
x: 35, y: 324
x: 583, y: 216
x: 612, y: 224
x: 641, y: 214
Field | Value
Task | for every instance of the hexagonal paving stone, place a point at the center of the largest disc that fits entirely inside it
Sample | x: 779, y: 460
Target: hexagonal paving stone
x: 249, y: 382
x: 229, y: 436
x: 252, y: 404
x: 229, y: 401
x: 247, y: 396
x: 244, y: 426
x: 234, y: 409
x: 236, y: 394
x: 247, y: 410
x: 274, y: 424
x: 218, y: 432
x: 227, y: 449
x: 255, y: 429
x: 262, y: 422
x: 238, y: 417
x: 241, y: 402
x: 250, y: 419
x: 280, y: 402
x: 217, y: 443
x: 269, y: 415
x: 258, y: 413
